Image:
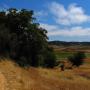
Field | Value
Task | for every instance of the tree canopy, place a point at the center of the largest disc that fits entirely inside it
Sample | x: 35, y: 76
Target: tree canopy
x: 22, y: 39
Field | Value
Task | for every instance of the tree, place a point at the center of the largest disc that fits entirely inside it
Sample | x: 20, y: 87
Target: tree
x: 24, y: 41
x: 77, y: 59
x: 50, y: 58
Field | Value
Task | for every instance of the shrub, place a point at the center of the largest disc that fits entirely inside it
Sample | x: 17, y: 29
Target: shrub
x: 77, y: 59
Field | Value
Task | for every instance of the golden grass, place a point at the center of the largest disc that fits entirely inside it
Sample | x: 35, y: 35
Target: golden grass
x: 12, y: 77
x: 54, y: 79
x: 16, y: 78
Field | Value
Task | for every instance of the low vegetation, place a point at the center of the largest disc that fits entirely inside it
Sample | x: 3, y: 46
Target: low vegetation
x: 77, y: 59
x: 13, y: 77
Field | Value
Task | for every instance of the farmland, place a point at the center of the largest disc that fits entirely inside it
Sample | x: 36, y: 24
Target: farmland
x: 65, y: 49
x: 65, y: 54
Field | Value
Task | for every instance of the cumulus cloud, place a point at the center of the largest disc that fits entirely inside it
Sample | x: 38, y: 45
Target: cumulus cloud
x: 54, y: 30
x: 74, y: 14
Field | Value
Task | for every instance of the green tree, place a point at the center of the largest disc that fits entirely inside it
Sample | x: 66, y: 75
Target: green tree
x: 24, y: 40
x: 77, y: 59
x: 50, y: 58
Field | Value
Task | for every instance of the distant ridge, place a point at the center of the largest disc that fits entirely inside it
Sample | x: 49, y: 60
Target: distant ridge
x: 65, y: 43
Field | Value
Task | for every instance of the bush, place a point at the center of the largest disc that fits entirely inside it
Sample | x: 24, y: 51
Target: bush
x: 77, y: 59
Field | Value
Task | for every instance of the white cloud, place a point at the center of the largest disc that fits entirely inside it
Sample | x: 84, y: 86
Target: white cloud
x: 41, y: 13
x: 72, y: 15
x: 49, y: 27
x: 54, y: 30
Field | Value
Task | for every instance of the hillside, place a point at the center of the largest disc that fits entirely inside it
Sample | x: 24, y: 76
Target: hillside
x: 70, y: 46
x: 12, y: 77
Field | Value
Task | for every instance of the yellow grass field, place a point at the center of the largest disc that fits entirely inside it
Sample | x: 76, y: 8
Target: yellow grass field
x: 13, y: 77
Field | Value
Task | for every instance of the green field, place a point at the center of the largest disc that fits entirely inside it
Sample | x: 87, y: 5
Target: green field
x: 64, y: 54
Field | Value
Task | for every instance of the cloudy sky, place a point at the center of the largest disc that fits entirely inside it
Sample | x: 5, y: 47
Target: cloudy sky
x: 65, y: 20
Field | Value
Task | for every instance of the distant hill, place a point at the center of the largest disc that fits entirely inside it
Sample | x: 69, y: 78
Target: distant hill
x: 64, y: 43
x: 70, y: 46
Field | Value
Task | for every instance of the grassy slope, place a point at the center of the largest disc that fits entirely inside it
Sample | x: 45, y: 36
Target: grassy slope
x: 13, y: 77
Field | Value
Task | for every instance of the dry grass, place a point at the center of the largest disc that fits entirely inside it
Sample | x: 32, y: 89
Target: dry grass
x: 68, y: 80
x: 16, y: 78
x: 13, y: 77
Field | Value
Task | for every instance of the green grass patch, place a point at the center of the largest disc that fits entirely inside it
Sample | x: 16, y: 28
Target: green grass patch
x: 64, y: 54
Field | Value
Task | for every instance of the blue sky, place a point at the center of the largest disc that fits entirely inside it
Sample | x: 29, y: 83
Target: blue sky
x: 65, y: 20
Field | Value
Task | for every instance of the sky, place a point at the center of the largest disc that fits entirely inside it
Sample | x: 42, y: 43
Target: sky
x: 65, y: 20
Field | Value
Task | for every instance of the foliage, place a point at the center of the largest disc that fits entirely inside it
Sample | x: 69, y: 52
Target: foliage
x: 50, y: 58
x: 22, y: 38
x: 77, y: 59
